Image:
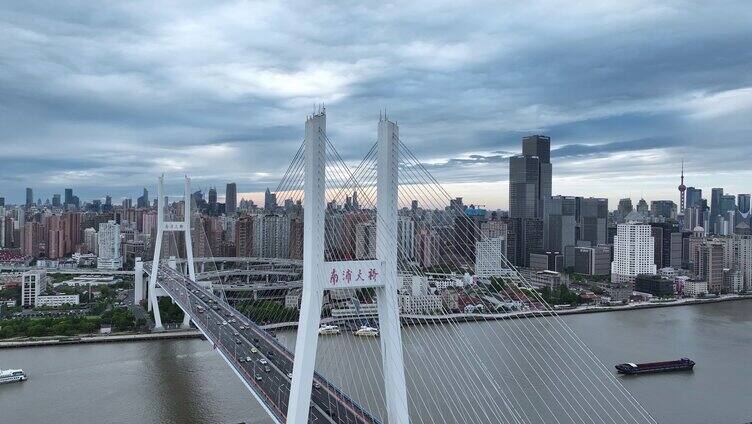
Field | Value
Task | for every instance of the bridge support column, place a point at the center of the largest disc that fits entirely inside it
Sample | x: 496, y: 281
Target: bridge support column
x: 153, y: 302
x: 168, y: 226
x: 313, y: 261
x: 388, y: 305
x: 139, y: 291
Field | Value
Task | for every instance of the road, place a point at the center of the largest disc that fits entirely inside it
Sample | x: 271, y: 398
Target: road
x: 270, y: 367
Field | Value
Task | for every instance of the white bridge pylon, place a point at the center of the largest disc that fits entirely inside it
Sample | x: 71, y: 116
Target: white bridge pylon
x: 320, y: 275
x: 170, y: 226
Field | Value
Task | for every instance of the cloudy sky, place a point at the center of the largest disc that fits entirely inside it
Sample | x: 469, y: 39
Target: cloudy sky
x: 104, y: 97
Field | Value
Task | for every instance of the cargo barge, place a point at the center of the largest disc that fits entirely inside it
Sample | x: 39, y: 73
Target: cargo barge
x: 683, y: 364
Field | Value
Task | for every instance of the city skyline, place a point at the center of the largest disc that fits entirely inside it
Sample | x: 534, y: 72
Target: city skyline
x: 469, y: 194
x: 622, y: 110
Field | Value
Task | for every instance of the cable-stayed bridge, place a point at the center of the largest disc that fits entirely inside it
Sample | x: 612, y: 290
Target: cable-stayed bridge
x: 363, y: 265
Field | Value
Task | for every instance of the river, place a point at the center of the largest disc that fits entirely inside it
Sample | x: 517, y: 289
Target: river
x: 184, y: 381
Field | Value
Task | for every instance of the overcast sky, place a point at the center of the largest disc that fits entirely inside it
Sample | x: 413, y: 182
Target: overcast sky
x: 104, y: 99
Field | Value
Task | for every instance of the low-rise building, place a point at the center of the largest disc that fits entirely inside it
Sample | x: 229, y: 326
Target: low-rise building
x: 420, y: 304
x: 33, y: 284
x: 356, y: 310
x: 733, y: 281
x: 551, y: 261
x: 91, y: 280
x: 655, y: 285
x: 546, y: 279
x: 57, y: 300
x: 292, y: 299
x: 695, y: 288
x: 592, y: 260
x: 450, y: 299
x: 619, y: 292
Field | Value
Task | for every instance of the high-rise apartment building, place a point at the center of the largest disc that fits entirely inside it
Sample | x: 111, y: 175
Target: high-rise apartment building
x: 738, y: 255
x: 489, y: 256
x: 709, y: 264
x: 634, y: 253
x: 90, y: 240
x: 406, y: 239
x: 271, y: 236
x: 244, y: 236
x: 365, y: 240
x: 108, y: 239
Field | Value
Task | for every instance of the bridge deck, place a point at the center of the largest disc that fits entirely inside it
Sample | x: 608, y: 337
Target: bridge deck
x: 266, y: 374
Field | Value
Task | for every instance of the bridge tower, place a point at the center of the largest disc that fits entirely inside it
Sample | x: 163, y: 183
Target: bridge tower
x: 170, y: 226
x: 320, y: 275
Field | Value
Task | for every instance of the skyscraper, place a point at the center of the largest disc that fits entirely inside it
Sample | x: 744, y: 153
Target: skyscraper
x: 143, y: 201
x: 213, y: 201
x: 559, y: 222
x: 642, y: 207
x: 693, y: 197
x: 29, y: 196
x: 56, y: 200
x: 682, y: 189
x: 715, y: 207
x: 625, y: 207
x: 663, y: 208
x: 270, y: 201
x: 530, y: 178
x: 68, y: 200
x: 743, y: 203
x: 592, y: 221
x: 727, y: 204
x: 231, y: 198
x: 529, y: 186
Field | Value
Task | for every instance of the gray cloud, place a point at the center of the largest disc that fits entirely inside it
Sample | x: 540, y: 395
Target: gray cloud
x: 105, y: 99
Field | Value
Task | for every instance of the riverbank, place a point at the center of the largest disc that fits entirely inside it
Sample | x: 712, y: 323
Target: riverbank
x: 110, y: 338
x: 408, y: 319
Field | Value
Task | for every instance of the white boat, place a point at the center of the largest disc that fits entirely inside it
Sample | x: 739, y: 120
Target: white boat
x: 367, y: 331
x: 12, y: 376
x: 325, y: 330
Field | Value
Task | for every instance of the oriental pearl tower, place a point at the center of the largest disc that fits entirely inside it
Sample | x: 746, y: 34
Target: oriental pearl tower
x: 682, y: 189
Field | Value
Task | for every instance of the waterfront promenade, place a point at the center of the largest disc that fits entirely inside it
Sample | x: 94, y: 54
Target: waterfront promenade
x: 102, y: 338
